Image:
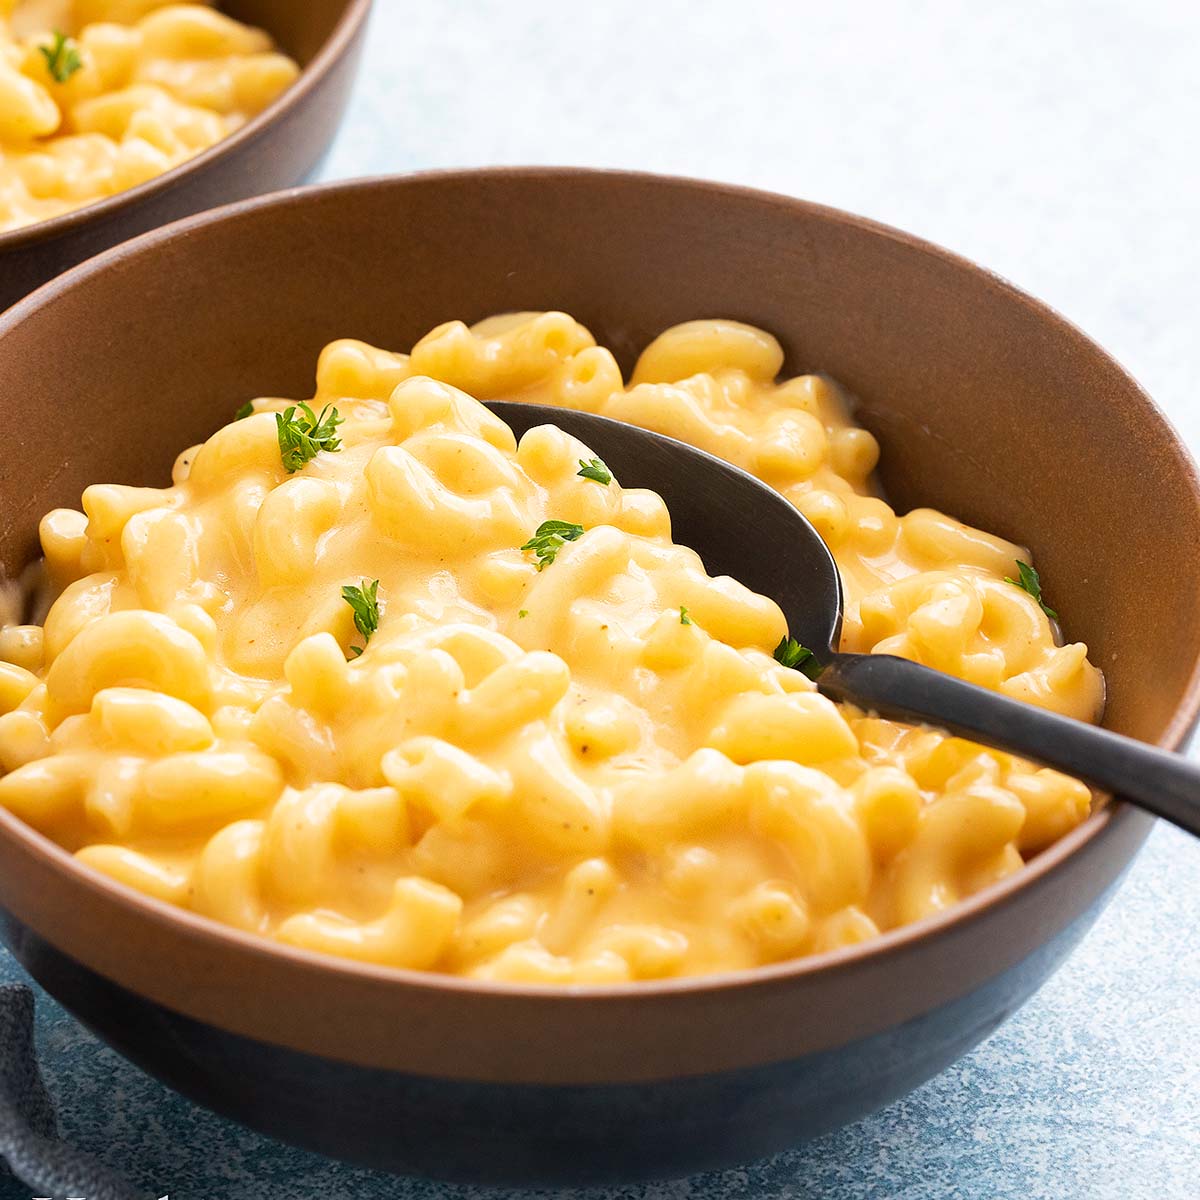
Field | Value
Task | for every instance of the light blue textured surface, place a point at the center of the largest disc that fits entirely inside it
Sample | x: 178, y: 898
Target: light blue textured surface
x: 1057, y: 145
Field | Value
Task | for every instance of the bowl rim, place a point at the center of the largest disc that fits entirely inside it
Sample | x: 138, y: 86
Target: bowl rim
x: 1106, y: 821
x: 351, y: 21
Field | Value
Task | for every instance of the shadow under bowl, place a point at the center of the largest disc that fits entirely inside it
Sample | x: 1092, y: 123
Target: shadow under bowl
x: 988, y: 405
x: 281, y: 146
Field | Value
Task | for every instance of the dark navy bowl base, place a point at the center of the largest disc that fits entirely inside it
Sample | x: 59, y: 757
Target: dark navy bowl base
x: 532, y: 1135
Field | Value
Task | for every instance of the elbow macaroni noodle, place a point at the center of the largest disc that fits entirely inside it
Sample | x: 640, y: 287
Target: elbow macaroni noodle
x: 533, y: 775
x: 156, y: 83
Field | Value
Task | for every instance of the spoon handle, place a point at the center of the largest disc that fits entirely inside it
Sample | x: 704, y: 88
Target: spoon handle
x: 1165, y: 784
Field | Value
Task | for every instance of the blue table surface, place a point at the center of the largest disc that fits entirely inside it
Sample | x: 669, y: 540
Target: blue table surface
x: 1058, y: 150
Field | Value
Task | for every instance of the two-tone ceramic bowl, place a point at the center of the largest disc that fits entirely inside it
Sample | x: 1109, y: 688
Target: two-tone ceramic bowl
x: 283, y: 145
x: 988, y: 404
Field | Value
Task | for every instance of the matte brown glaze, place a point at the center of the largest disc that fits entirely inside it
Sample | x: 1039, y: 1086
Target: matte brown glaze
x: 988, y: 404
x: 280, y: 147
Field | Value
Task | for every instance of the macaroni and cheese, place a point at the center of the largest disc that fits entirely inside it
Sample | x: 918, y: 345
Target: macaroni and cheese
x: 374, y: 679
x: 97, y: 96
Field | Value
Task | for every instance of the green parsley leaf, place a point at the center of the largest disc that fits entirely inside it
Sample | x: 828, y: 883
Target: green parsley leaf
x: 62, y: 57
x: 364, y: 601
x: 684, y: 619
x: 523, y: 614
x: 550, y: 538
x: 302, y: 438
x: 594, y: 469
x: 1031, y: 582
x: 247, y: 410
x: 789, y: 653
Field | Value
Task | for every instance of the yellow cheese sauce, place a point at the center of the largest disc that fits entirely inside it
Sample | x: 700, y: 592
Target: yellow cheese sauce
x: 578, y: 765
x: 97, y: 96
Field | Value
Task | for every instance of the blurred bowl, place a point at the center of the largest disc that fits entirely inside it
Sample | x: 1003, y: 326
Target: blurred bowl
x: 281, y: 146
x: 989, y: 406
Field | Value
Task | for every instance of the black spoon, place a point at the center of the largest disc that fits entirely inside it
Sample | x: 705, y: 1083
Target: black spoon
x: 745, y: 529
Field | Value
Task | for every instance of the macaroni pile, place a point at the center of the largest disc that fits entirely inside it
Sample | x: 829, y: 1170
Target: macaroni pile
x: 342, y: 685
x: 97, y: 96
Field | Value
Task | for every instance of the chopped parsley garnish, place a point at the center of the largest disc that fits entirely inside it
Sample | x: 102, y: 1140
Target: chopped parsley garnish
x: 62, y: 57
x: 303, y: 437
x: 550, y: 538
x: 684, y: 619
x: 522, y: 614
x: 365, y: 603
x: 247, y: 410
x: 594, y: 469
x: 1030, y: 582
x: 789, y: 653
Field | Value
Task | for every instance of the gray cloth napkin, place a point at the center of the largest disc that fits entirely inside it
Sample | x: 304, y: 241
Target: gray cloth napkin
x: 29, y: 1141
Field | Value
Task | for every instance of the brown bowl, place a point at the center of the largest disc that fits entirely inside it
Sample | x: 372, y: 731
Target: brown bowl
x: 989, y: 405
x: 283, y: 145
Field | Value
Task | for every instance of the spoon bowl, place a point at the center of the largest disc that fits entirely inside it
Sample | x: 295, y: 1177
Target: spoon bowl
x: 738, y: 525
